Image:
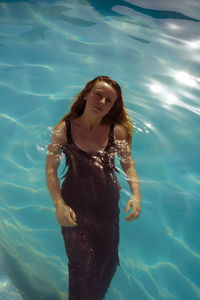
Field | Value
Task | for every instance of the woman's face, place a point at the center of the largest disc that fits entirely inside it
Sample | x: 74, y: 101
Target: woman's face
x: 101, y: 98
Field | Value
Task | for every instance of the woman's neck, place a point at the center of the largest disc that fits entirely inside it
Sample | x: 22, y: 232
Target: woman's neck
x: 90, y: 122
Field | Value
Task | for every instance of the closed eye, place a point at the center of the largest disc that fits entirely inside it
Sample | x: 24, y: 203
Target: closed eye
x: 99, y: 95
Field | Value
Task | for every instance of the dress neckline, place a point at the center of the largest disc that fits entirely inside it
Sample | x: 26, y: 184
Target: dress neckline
x: 86, y: 152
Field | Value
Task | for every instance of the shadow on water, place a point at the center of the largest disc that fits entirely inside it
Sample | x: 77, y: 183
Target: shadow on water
x: 22, y: 282
x: 50, y: 2
x: 40, y: 20
x: 105, y: 8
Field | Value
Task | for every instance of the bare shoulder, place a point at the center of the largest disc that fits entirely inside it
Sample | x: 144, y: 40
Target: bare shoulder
x: 59, y: 133
x: 121, y: 141
x: 120, y: 132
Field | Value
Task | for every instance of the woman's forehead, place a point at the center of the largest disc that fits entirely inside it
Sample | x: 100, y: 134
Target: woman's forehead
x: 104, y: 86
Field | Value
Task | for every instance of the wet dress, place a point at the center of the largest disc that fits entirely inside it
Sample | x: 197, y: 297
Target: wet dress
x: 91, y: 189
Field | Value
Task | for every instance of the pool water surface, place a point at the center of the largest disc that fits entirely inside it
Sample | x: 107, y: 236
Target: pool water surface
x: 48, y: 51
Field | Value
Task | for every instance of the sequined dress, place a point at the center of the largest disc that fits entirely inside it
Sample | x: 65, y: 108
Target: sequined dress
x: 91, y: 189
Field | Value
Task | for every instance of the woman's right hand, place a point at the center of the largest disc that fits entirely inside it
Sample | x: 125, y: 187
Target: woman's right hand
x: 65, y: 216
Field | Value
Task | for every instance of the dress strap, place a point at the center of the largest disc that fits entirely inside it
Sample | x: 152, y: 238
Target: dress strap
x: 69, y: 135
x: 111, y: 136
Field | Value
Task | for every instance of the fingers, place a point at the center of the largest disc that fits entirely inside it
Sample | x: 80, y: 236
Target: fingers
x: 133, y: 215
x: 135, y: 206
x: 72, y: 215
x: 71, y: 218
x: 127, y: 207
x: 68, y: 222
x: 66, y: 217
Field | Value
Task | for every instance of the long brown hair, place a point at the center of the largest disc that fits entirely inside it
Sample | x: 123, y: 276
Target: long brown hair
x: 118, y: 113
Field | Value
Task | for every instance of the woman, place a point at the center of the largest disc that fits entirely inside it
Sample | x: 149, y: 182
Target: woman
x: 95, y: 130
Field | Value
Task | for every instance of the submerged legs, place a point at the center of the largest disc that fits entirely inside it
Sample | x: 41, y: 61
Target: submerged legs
x: 90, y: 272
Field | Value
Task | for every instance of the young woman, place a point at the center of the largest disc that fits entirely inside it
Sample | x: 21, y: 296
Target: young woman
x: 95, y: 130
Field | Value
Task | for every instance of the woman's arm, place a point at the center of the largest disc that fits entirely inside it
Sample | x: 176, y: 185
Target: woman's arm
x: 128, y: 167
x: 64, y: 214
x: 52, y: 162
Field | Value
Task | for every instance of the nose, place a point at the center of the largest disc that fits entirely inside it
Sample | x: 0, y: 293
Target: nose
x: 103, y: 100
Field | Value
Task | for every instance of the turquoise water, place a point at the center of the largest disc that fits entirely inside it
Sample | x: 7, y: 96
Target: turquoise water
x: 48, y: 51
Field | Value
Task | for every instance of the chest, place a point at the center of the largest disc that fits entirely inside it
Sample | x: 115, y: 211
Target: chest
x: 90, y: 140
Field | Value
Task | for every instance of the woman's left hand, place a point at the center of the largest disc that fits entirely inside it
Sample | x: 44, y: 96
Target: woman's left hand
x: 135, y: 204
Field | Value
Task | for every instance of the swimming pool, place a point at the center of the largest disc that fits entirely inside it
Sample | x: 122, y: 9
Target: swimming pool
x: 48, y: 51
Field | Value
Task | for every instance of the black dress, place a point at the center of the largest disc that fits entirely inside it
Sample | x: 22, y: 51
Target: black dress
x: 91, y: 189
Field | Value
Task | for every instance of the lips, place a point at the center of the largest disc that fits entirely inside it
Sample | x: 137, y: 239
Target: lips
x: 98, y: 108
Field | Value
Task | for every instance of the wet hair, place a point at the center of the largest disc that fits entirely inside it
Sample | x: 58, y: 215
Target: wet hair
x: 118, y: 113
